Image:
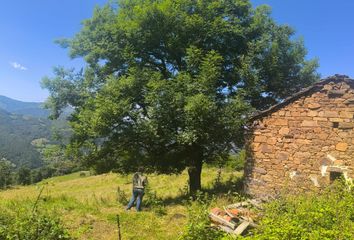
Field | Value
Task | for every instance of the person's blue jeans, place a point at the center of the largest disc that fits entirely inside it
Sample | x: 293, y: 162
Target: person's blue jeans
x: 138, y: 196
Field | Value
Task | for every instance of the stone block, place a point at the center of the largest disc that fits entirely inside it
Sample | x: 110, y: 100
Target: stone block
x: 328, y: 86
x: 284, y: 130
x: 344, y: 134
x: 283, y: 156
x: 267, y: 178
x: 335, y: 120
x: 260, y: 170
x: 320, y: 119
x: 317, y: 130
x: 281, y: 113
x: 326, y: 124
x: 336, y: 93
x: 302, y: 141
x: 309, y: 123
x: 272, y: 141
x: 345, y: 114
x: 329, y: 114
x: 342, y: 146
x: 313, y: 106
x: 260, y: 139
x: 349, y: 101
x: 302, y: 155
x: 294, y: 123
x: 311, y: 136
x: 346, y: 125
x: 312, y: 114
x: 280, y: 122
x: 265, y: 148
x: 258, y: 155
x: 322, y: 136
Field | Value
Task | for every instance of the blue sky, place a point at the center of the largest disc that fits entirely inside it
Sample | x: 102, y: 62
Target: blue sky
x: 28, y: 30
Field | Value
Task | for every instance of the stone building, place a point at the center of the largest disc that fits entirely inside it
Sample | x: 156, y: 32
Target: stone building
x: 304, y: 142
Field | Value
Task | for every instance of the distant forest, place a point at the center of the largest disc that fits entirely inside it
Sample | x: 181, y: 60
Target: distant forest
x: 21, y: 124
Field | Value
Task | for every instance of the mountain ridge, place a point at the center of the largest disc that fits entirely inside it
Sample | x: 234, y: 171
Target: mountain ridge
x: 35, y: 109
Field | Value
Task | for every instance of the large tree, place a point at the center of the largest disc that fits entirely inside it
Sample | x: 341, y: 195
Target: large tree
x: 169, y: 83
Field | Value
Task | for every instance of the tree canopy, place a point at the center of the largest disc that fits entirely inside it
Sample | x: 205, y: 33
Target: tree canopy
x: 169, y: 83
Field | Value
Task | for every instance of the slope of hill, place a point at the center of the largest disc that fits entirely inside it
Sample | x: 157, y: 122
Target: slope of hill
x: 88, y: 204
x: 20, y: 124
x: 24, y: 108
x: 16, y: 134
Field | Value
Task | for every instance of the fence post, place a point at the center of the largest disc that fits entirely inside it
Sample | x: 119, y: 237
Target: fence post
x: 118, y: 225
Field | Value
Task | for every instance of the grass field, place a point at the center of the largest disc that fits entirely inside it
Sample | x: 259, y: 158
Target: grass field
x: 88, y: 205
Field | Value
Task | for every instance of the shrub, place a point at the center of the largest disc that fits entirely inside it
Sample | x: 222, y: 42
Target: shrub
x: 154, y: 202
x: 307, y: 216
x: 326, y: 215
x: 122, y: 197
x: 237, y: 161
x: 198, y: 226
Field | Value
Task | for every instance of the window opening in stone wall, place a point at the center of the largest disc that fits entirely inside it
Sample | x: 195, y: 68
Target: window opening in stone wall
x: 335, y: 176
x: 335, y: 124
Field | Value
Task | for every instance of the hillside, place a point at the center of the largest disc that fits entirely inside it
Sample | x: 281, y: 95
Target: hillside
x: 20, y: 124
x: 88, y: 204
x: 16, y: 134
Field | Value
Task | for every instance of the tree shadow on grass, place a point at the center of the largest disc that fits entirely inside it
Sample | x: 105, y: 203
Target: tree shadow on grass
x: 234, y: 184
x: 230, y: 188
x: 178, y: 200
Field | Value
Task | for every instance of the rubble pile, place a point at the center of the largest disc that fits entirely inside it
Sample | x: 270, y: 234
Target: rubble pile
x: 236, y: 218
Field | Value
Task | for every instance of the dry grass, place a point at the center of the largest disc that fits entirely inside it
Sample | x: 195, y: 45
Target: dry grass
x: 88, y: 204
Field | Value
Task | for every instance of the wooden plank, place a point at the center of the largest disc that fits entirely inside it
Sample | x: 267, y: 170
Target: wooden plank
x: 229, y: 213
x: 252, y: 224
x: 225, y: 229
x: 241, y: 228
x: 222, y: 221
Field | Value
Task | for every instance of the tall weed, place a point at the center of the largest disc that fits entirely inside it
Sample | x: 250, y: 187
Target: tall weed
x: 198, y: 226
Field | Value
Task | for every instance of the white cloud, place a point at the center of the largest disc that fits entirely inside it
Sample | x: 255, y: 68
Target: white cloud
x: 18, y: 66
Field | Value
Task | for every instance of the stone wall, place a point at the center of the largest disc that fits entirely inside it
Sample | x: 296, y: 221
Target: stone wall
x: 304, y: 144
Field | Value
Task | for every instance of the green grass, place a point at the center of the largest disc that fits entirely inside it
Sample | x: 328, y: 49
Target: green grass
x: 88, y: 204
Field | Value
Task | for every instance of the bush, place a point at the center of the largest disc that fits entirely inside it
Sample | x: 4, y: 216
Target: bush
x: 154, y: 202
x: 198, y: 226
x: 328, y: 215
x: 307, y: 216
x: 237, y: 161
x: 122, y: 197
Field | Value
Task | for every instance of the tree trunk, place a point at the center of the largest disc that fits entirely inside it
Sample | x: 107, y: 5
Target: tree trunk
x: 194, y: 173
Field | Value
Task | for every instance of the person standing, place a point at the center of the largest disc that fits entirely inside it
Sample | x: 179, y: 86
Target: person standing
x: 139, y: 183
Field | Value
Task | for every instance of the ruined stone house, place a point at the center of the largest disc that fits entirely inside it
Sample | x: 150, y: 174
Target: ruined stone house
x: 304, y: 142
